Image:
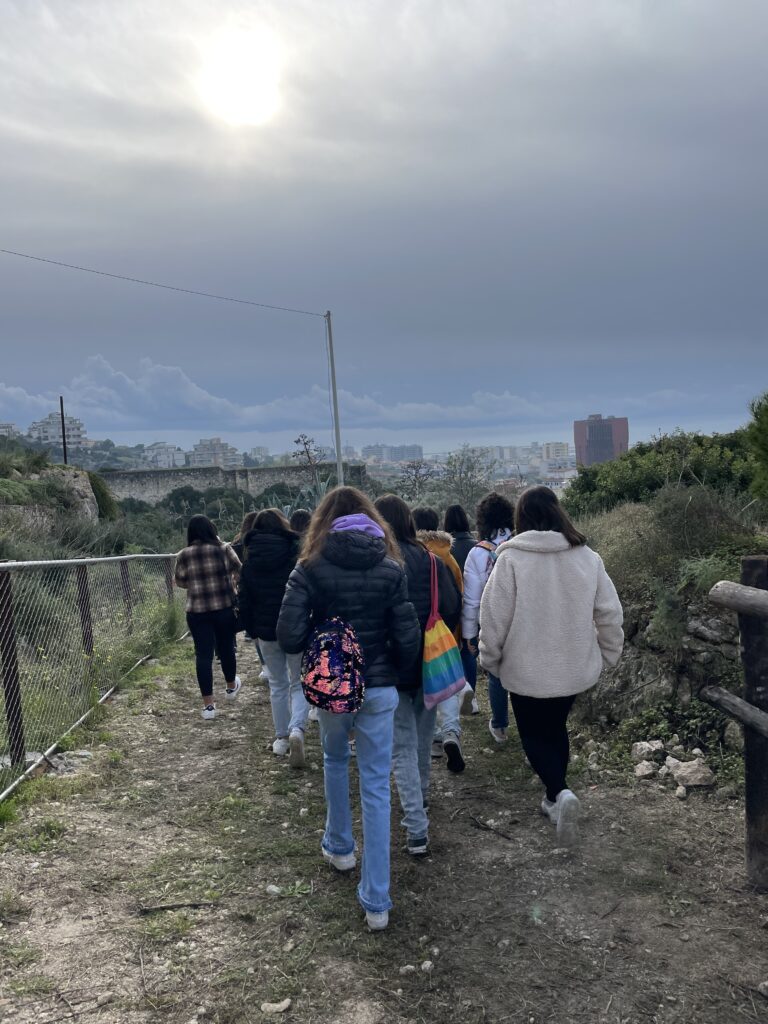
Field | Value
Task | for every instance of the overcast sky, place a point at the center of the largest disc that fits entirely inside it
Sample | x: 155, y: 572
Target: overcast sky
x: 519, y: 211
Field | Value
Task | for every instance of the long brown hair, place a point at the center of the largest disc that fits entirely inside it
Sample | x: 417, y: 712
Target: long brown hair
x: 342, y: 501
x: 538, y: 509
x: 272, y: 520
x: 245, y: 526
x: 397, y: 515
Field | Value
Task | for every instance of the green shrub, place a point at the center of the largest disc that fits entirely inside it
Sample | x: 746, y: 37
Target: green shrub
x: 108, y: 508
x: 15, y: 492
x: 702, y: 572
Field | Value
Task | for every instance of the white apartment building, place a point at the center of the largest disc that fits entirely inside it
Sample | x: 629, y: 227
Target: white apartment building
x: 163, y: 455
x: 48, y: 431
x: 556, y: 451
x: 9, y: 430
x: 212, y: 451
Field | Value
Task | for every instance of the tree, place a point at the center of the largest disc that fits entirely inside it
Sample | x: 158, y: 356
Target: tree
x: 757, y: 438
x: 308, y: 454
x: 414, y: 478
x: 468, y: 474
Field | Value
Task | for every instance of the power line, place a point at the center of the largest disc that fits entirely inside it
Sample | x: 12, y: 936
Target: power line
x: 155, y: 284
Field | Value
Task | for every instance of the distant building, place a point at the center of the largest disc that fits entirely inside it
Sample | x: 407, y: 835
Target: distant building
x: 259, y: 454
x: 212, y: 451
x: 349, y: 451
x: 48, y: 431
x: 9, y: 430
x: 393, y: 453
x: 600, y: 440
x: 162, y: 455
x: 556, y: 451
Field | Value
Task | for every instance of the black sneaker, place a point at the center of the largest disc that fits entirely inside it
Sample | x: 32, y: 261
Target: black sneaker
x: 417, y: 847
x: 452, y: 749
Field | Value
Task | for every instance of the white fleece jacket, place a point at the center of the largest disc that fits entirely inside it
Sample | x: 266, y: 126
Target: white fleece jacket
x: 477, y: 569
x: 550, y: 617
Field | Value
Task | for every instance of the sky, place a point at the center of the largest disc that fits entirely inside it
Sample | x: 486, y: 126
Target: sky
x: 520, y: 212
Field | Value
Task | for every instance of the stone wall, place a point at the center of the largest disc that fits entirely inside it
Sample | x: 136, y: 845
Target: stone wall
x: 152, y: 485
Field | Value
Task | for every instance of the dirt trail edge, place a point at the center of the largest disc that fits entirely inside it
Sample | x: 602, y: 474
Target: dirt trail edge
x: 176, y: 877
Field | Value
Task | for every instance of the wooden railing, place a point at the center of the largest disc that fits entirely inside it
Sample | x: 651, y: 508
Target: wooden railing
x: 750, y: 600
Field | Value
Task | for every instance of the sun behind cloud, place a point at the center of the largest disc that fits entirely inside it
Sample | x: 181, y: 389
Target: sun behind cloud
x: 239, y: 80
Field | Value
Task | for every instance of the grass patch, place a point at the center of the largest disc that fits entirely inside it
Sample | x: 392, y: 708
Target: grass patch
x: 34, y: 985
x: 167, y: 927
x: 42, y: 836
x: 12, y: 906
x: 19, y: 954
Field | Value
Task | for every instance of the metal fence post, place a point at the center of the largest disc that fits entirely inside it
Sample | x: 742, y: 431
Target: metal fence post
x: 125, y: 586
x: 754, y: 654
x: 168, y: 570
x: 84, y: 604
x: 10, y: 665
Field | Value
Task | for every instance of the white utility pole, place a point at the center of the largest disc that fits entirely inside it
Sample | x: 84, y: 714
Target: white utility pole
x: 335, y: 400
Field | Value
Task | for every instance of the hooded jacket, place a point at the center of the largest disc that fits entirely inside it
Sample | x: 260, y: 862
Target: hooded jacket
x: 419, y: 572
x: 269, y: 559
x: 355, y: 579
x: 477, y: 570
x: 439, y: 543
x: 550, y: 617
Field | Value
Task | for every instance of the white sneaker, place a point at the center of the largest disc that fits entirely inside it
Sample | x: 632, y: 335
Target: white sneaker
x: 280, y: 746
x: 475, y: 706
x: 549, y: 810
x: 500, y: 735
x: 567, y: 807
x: 340, y: 861
x: 264, y: 676
x: 296, y: 748
x: 209, y: 712
x: 437, y: 748
x: 468, y: 701
x: 377, y: 922
x: 233, y: 690
x: 314, y: 714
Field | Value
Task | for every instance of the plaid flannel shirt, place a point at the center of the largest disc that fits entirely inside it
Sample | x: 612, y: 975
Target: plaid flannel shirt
x: 200, y: 570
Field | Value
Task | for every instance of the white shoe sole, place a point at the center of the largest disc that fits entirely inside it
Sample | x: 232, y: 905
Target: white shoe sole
x: 377, y: 922
x: 296, y: 757
x: 342, y: 862
x: 233, y: 695
x: 467, y: 701
x: 568, y: 821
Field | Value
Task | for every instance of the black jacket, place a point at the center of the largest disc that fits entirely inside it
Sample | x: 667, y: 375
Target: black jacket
x: 268, y: 561
x: 462, y: 545
x: 419, y: 573
x: 355, y: 580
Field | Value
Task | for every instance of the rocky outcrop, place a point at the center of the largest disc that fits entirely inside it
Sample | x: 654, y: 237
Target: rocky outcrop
x: 660, y: 664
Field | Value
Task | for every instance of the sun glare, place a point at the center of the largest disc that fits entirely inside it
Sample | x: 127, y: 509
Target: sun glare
x: 239, y: 81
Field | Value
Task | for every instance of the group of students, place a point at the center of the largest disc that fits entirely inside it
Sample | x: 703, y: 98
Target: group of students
x: 527, y: 598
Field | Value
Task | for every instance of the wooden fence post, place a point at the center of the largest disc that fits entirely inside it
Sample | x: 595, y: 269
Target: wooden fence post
x: 11, y: 680
x: 168, y: 570
x: 754, y: 654
x: 125, y: 586
x: 84, y: 604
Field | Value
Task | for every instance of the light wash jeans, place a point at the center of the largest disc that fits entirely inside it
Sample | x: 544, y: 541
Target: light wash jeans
x: 499, y: 701
x: 411, y: 757
x: 448, y: 717
x: 289, y: 708
x: 373, y: 725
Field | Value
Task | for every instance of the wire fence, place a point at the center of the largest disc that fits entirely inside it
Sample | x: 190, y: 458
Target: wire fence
x: 69, y: 631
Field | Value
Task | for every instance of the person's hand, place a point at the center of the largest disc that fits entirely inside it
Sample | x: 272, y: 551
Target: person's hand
x: 472, y: 646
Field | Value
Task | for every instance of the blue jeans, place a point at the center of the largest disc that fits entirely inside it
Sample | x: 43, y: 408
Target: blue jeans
x: 499, y: 700
x: 289, y: 707
x: 469, y: 661
x: 374, y: 727
x: 411, y: 759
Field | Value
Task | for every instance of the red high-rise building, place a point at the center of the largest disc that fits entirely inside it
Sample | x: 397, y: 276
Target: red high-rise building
x: 600, y: 440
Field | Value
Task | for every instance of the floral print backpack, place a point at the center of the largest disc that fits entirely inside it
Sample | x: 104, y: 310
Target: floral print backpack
x: 333, y: 669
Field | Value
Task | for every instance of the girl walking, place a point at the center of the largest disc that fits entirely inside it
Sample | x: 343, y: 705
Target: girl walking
x: 350, y: 567
x: 495, y: 520
x: 414, y: 723
x: 456, y: 523
x: 207, y: 569
x: 550, y: 622
x: 270, y: 550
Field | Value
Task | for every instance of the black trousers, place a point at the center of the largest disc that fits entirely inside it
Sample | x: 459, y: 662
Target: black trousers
x: 213, y: 631
x: 543, y: 726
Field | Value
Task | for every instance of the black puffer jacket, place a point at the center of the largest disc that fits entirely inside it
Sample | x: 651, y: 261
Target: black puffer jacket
x: 269, y: 559
x: 462, y: 545
x: 419, y: 573
x: 355, y: 580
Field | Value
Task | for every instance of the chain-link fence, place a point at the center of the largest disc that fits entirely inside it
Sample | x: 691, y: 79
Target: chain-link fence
x: 69, y: 631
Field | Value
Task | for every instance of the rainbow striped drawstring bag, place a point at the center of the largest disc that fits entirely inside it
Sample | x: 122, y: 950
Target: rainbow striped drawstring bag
x: 442, y: 673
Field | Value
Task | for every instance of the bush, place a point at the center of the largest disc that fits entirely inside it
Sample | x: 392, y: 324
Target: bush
x: 108, y: 508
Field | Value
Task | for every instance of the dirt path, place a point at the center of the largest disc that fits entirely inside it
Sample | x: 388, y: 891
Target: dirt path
x: 650, y: 921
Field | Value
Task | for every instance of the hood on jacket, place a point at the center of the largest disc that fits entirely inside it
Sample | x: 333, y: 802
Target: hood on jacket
x: 357, y: 521
x: 437, y: 540
x: 544, y: 541
x: 269, y: 550
x: 351, y: 549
